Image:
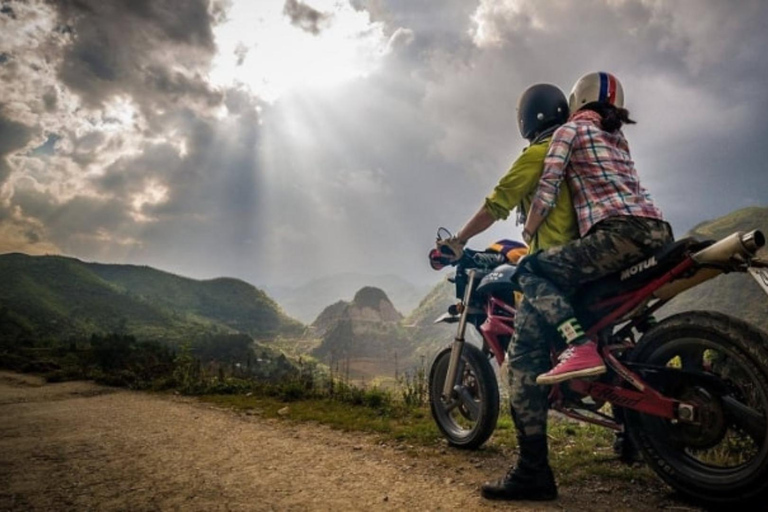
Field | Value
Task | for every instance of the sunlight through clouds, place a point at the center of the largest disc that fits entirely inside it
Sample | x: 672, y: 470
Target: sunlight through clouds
x: 260, y: 48
x: 492, y: 15
x: 337, y: 130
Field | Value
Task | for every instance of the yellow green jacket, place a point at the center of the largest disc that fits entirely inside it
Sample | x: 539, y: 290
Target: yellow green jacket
x: 516, y: 190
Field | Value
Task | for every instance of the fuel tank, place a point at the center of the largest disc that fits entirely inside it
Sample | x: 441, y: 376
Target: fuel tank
x: 498, y: 281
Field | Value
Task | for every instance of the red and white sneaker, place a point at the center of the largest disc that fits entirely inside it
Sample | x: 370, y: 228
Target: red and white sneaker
x: 576, y: 361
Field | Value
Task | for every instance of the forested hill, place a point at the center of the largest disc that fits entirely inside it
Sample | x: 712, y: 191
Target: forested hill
x: 56, y: 296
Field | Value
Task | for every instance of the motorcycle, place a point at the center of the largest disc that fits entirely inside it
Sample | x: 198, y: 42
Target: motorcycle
x: 690, y: 391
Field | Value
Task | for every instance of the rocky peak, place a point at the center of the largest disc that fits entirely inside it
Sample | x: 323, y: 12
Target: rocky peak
x: 369, y: 305
x: 372, y: 304
x: 366, y: 325
x: 369, y: 297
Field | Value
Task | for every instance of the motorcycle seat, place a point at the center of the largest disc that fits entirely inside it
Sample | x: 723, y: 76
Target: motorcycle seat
x: 639, y: 273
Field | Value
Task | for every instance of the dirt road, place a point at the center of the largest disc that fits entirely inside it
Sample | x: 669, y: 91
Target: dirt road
x: 79, y: 446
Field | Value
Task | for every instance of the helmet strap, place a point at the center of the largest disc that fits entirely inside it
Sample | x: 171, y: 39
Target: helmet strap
x: 544, y: 134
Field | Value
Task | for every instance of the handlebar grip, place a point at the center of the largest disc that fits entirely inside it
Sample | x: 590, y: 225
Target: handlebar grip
x: 485, y: 259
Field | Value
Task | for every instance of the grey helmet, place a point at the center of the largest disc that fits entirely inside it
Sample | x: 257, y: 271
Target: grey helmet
x: 540, y: 107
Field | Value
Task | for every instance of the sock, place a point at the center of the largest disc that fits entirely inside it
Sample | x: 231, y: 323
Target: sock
x: 572, y: 332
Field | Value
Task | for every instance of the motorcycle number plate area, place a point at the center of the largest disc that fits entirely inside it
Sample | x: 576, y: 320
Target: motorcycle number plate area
x: 761, y: 276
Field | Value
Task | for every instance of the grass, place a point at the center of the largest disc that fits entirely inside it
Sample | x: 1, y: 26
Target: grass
x: 396, y: 423
x: 578, y: 452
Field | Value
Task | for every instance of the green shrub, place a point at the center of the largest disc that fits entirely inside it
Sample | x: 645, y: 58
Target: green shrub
x: 13, y: 361
x: 413, y: 386
x: 123, y: 361
x: 44, y: 366
x: 376, y: 398
x: 292, y: 392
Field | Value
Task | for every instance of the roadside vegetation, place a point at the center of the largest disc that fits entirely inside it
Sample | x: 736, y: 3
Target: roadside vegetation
x: 212, y: 362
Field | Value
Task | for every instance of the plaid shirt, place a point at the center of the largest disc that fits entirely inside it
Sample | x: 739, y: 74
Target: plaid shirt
x: 599, y: 171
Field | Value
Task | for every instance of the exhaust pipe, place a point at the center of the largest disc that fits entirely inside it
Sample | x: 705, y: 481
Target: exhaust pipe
x: 721, y: 252
x: 754, y: 240
x: 739, y: 243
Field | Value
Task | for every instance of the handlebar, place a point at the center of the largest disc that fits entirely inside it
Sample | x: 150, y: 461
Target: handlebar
x: 440, y: 257
x: 488, y: 259
x: 478, y: 259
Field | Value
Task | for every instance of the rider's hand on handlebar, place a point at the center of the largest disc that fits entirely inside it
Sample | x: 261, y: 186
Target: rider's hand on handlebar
x: 451, y: 248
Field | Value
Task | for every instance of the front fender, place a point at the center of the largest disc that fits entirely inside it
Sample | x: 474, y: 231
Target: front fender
x: 447, y: 318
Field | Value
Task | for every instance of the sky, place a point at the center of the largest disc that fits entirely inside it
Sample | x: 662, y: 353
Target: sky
x: 278, y: 141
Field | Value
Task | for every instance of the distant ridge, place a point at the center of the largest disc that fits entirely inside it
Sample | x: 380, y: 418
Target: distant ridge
x: 307, y: 301
x: 426, y: 336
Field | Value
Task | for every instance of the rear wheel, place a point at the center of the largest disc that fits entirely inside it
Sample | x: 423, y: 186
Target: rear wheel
x: 468, y: 418
x: 723, y: 364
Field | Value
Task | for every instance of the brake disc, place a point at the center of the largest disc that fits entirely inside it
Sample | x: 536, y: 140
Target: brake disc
x: 710, y: 427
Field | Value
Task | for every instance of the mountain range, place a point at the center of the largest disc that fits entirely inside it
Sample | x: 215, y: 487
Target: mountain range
x: 58, y: 297
x: 61, y: 297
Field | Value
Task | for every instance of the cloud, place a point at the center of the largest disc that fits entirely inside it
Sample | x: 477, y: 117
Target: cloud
x: 7, y: 10
x: 159, y: 203
x: 703, y: 41
x: 13, y: 136
x: 241, y: 52
x: 155, y: 52
x: 305, y: 17
x: 401, y: 38
x: 142, y: 155
x: 16, y: 237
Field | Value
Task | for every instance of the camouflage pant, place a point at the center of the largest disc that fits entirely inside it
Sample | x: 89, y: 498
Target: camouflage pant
x: 548, y: 279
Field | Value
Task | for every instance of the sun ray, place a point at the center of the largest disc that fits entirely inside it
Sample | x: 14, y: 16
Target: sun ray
x: 261, y: 49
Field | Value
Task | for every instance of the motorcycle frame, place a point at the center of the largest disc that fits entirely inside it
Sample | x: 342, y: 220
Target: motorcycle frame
x: 643, y: 398
x: 640, y: 396
x: 497, y: 325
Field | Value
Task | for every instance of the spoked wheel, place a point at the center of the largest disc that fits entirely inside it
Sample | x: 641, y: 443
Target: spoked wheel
x: 720, y: 366
x: 468, y: 417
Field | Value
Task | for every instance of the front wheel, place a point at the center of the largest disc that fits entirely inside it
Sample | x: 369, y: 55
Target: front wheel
x: 720, y: 365
x: 468, y: 418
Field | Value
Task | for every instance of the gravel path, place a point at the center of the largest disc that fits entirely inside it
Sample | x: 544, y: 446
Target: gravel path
x: 79, y: 446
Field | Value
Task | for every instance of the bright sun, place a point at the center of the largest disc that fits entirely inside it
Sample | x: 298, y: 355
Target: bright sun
x: 260, y: 48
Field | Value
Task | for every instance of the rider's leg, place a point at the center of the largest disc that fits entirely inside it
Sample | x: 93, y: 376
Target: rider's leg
x: 529, y: 355
x: 582, y: 355
x: 531, y: 477
x: 549, y: 278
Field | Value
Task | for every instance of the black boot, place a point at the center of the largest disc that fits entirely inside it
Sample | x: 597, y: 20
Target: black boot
x: 625, y: 449
x: 531, y: 479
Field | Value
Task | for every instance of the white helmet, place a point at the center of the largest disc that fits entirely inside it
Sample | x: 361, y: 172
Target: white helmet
x: 598, y: 86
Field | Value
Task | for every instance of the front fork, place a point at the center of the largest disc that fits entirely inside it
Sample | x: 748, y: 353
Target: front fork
x: 458, y: 342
